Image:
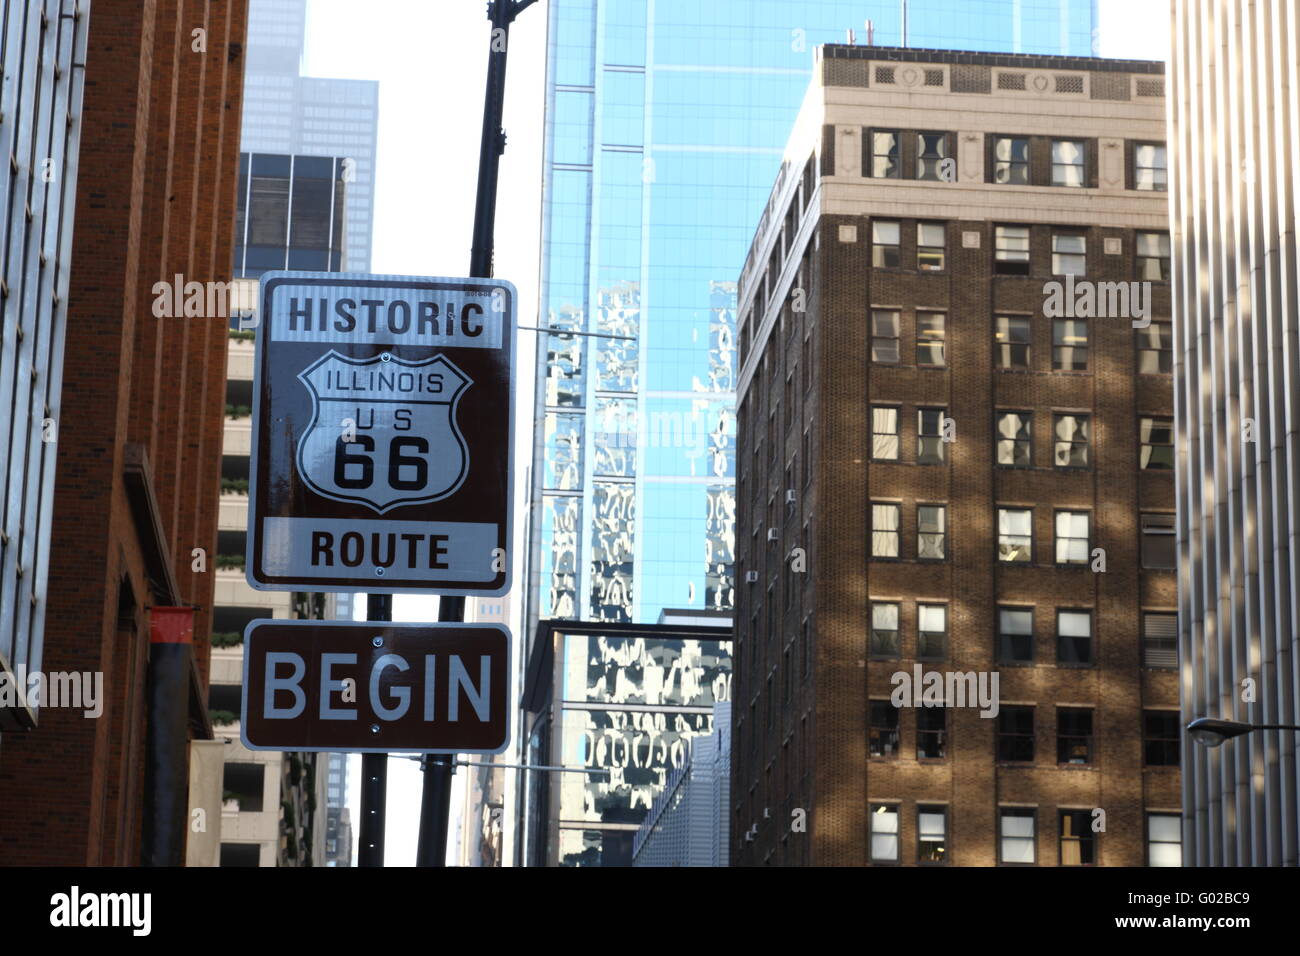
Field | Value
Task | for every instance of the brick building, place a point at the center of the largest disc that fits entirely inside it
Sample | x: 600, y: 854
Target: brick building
x: 139, y: 429
x: 938, y: 457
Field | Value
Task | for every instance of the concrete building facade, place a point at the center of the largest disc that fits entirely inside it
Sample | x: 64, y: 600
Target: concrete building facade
x: 954, y: 462
x: 1235, y: 133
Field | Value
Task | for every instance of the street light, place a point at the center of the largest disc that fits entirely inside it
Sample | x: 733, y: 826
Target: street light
x: 1212, y: 732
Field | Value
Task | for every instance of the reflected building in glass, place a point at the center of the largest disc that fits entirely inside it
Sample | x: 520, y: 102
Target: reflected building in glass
x: 626, y: 701
x: 665, y: 126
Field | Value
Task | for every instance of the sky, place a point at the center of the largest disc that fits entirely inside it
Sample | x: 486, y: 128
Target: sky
x: 430, y: 58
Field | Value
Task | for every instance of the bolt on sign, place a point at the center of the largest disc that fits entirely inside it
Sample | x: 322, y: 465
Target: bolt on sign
x: 383, y: 434
x: 376, y: 687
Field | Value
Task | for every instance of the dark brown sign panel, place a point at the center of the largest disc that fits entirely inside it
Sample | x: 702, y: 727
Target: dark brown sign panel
x: 376, y: 687
x: 383, y: 423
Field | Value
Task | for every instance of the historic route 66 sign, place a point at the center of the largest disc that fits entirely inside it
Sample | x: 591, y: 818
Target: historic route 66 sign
x: 382, y: 437
x: 397, y: 441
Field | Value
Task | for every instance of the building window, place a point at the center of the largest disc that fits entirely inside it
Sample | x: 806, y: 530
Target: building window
x: 1073, y: 735
x: 1069, y: 253
x: 1014, y: 445
x: 1015, y: 535
x: 1159, y: 541
x: 884, y: 243
x: 1150, y: 167
x: 1164, y: 839
x: 1157, y: 438
x: 1016, y: 734
x: 929, y: 436
x: 1074, y: 637
x: 1159, y: 639
x: 1152, y: 251
x: 1067, y: 162
x: 1011, y: 250
x: 884, y: 336
x: 884, y: 833
x: 1156, y: 349
x: 1072, y: 537
x: 1070, y: 441
x: 931, y: 631
x: 884, y: 629
x: 1160, y: 738
x: 1016, y: 837
x: 1011, y: 340
x: 884, y: 729
x: 931, y: 151
x: 1016, y: 635
x: 931, y: 731
x: 1069, y: 345
x: 931, y: 834
x: 884, y: 530
x: 930, y: 243
x: 1011, y: 161
x: 883, y: 157
x: 1078, y: 842
x: 930, y: 338
x: 931, y: 532
x: 884, y: 433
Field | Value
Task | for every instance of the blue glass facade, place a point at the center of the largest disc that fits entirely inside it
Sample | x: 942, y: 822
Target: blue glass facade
x: 665, y: 125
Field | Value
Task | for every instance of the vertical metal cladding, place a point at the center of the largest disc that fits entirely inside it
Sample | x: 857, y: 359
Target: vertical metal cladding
x: 43, y: 52
x: 1235, y: 133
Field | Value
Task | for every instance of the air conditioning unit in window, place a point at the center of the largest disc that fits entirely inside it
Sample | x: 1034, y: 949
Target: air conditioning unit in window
x: 773, y: 534
x: 790, y: 496
x: 751, y: 577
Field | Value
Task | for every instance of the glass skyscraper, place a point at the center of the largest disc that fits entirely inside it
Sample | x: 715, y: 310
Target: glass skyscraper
x: 665, y: 124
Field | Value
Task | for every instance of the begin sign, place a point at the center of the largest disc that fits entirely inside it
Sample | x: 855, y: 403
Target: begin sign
x: 376, y: 687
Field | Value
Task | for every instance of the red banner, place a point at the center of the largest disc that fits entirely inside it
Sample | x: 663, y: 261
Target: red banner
x: 171, y: 625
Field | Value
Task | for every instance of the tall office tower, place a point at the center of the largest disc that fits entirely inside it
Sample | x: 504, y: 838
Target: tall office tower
x: 956, y: 502
x: 136, y: 427
x: 664, y: 128
x: 663, y: 133
x: 1233, y: 208
x: 289, y: 114
x: 287, y: 216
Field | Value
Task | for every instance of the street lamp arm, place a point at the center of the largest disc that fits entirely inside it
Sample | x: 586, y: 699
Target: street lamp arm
x: 1213, y: 732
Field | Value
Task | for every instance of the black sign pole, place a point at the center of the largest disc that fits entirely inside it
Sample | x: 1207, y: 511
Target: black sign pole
x: 374, y: 768
x: 435, y: 804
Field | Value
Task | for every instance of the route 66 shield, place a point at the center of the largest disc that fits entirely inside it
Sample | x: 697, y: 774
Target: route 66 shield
x: 383, y: 430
